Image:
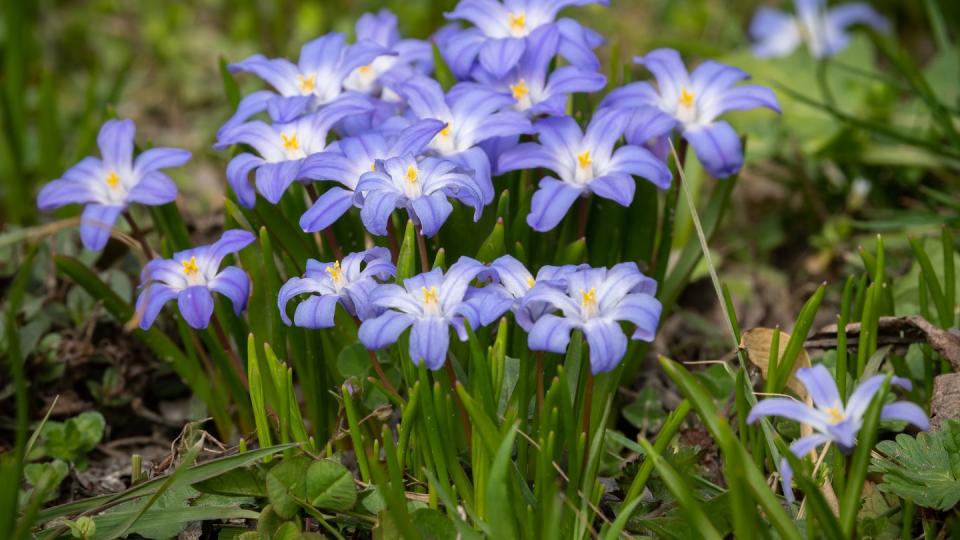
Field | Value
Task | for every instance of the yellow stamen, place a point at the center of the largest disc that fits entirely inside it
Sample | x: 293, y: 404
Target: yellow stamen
x: 430, y: 296
x: 588, y: 298
x: 373, y: 166
x: 411, y: 174
x: 518, y: 22
x: 445, y: 132
x: 520, y: 90
x: 365, y: 70
x: 584, y: 160
x: 290, y: 144
x: 307, y: 84
x: 336, y: 274
x: 835, y: 414
x: 686, y: 98
x: 190, y: 266
x: 113, y: 179
x: 531, y: 282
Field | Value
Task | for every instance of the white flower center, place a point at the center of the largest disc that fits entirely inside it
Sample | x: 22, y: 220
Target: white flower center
x: 588, y: 303
x: 686, y: 107
x: 431, y: 301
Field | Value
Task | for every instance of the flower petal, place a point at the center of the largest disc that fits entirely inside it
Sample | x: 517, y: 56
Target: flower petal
x: 384, y: 330
x: 429, y: 342
x: 717, y: 146
x: 498, y: 56
x: 116, y: 144
x: 96, y: 223
x: 906, y: 412
x: 316, y: 312
x: 233, y: 283
x: 775, y: 33
x: 550, y: 204
x: 155, y: 159
x: 820, y: 385
x: 430, y: 212
x: 151, y: 301
x: 273, y: 179
x: 238, y: 172
x: 456, y: 280
x: 641, y: 162
x: 550, y: 333
x: 607, y: 343
x: 526, y: 156
x: 153, y: 189
x: 278, y: 73
x: 196, y: 306
x: 667, y: 67
x: 328, y: 208
x: 294, y: 286
x: 787, y: 408
x: 618, y: 187
x: 643, y: 310
x: 250, y: 105
x: 376, y: 210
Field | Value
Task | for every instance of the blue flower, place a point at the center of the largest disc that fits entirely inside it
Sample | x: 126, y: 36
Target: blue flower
x: 412, y: 56
x: 595, y: 300
x: 510, y: 283
x: 586, y: 163
x: 535, y: 90
x: 347, y: 160
x: 430, y: 302
x: 348, y: 282
x: 190, y: 277
x: 695, y: 101
x: 317, y: 79
x: 108, y: 185
x: 421, y: 187
x: 777, y: 33
x: 473, y: 115
x: 282, y: 148
x: 499, y: 38
x: 832, y: 419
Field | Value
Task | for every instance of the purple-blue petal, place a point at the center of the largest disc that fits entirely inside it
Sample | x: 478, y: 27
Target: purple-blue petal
x: 617, y: 186
x: 376, y: 210
x: 238, y: 173
x: 384, y: 330
x: 153, y: 189
x: 196, y: 306
x: 151, y: 301
x: 607, y: 344
x: 717, y: 147
x: 327, y: 209
x: 273, y: 179
x: 429, y: 342
x: 316, y: 311
x: 550, y: 204
x: 155, y: 159
x: 431, y: 212
x: 498, y: 56
x: 116, y: 144
x: 96, y: 223
x: 907, y: 412
x: 551, y: 334
x: 820, y: 385
x: 233, y: 283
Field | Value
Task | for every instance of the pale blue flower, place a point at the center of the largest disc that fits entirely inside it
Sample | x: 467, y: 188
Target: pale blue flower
x: 824, y: 30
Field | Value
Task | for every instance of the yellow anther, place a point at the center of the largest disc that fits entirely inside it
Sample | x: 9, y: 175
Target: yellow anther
x: 588, y: 299
x: 835, y: 414
x: 113, y: 179
x: 520, y: 90
x: 411, y: 174
x: 190, y: 266
x: 531, y: 282
x: 518, y: 22
x: 686, y: 98
x: 445, y: 132
x: 584, y: 160
x: 373, y: 166
x: 336, y: 274
x: 365, y: 70
x: 307, y: 84
x: 430, y: 296
x: 290, y: 144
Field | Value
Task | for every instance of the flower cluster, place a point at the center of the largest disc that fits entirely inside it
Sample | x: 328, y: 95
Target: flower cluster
x: 549, y: 306
x: 366, y: 120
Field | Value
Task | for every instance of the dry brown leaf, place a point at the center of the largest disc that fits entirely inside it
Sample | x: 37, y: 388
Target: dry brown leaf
x: 756, y: 341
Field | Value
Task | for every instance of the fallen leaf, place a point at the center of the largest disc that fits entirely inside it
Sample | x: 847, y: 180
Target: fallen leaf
x: 756, y: 341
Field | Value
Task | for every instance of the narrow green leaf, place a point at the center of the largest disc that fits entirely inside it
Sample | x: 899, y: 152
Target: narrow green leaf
x: 857, y: 472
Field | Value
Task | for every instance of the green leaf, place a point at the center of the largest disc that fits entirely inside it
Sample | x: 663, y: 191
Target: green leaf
x: 193, y: 475
x: 286, y: 482
x: 442, y: 72
x: 71, y: 440
x: 407, y: 258
x: 432, y: 524
x: 243, y: 482
x: 493, y: 246
x: 330, y: 486
x: 925, y: 469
